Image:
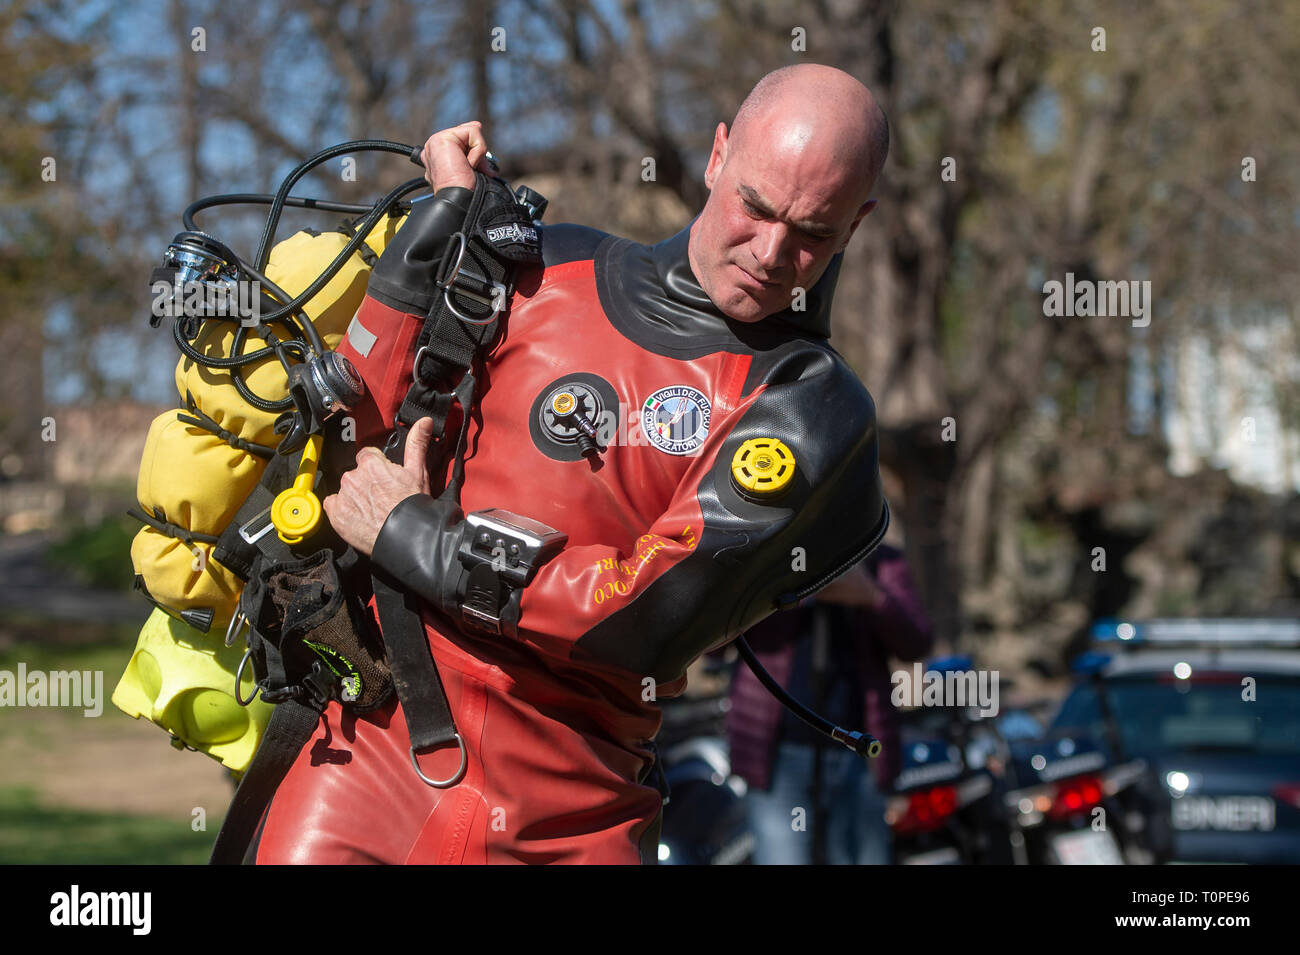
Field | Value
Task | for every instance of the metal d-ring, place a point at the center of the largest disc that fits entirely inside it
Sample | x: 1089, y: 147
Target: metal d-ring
x: 497, y: 301
x: 239, y: 674
x: 450, y: 780
x: 415, y: 365
x: 235, y: 626
x: 455, y: 269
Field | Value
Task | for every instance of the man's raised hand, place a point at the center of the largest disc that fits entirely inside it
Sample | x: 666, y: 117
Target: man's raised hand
x: 450, y: 156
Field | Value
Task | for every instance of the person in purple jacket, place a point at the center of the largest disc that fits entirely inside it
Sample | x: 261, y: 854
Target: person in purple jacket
x: 810, y: 800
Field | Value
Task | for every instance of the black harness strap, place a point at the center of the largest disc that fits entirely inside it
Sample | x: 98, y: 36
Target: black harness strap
x: 497, y: 235
x: 429, y: 722
x: 251, y: 534
x: 476, y: 279
x: 415, y: 675
x: 292, y: 725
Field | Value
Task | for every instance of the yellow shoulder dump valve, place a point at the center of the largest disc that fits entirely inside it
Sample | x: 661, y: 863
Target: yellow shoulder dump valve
x: 762, y: 469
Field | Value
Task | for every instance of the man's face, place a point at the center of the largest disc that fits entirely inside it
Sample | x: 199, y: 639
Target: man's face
x: 774, y: 219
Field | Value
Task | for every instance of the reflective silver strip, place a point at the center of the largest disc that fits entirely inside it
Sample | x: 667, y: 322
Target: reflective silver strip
x: 361, y: 338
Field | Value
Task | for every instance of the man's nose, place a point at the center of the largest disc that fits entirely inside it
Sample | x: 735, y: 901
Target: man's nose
x: 771, y: 247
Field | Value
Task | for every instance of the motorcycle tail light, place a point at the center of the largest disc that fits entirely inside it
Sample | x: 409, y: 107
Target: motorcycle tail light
x: 1288, y: 793
x: 1075, y: 796
x: 924, y: 811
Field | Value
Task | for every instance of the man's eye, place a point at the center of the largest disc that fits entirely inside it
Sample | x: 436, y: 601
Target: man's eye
x: 753, y: 210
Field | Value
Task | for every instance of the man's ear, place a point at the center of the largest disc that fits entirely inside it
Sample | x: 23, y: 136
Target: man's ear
x: 863, y: 212
x: 716, y: 158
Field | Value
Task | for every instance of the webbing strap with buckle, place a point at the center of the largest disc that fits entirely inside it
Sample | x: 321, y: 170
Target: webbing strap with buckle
x: 251, y: 534
x: 475, y: 281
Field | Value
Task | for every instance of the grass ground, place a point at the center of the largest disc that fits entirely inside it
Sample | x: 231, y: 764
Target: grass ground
x: 105, y: 789
x: 34, y: 833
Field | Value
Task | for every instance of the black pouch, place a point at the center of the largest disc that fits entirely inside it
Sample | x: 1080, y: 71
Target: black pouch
x: 309, y: 636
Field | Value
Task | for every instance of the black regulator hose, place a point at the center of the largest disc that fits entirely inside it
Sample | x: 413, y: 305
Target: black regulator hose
x: 362, y: 231
x: 265, y: 199
x: 282, y: 194
x: 290, y: 311
x: 307, y: 328
x: 860, y: 743
x: 208, y: 361
x: 237, y: 373
x: 236, y: 362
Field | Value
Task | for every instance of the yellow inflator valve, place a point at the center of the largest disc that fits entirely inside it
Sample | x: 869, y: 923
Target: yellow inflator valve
x: 296, y: 510
x: 762, y: 468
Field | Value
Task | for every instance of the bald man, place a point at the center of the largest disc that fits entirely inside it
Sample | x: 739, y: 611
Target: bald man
x: 733, y: 471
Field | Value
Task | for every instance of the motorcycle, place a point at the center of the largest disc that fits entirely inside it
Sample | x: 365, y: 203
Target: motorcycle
x: 1070, y: 805
x: 944, y: 809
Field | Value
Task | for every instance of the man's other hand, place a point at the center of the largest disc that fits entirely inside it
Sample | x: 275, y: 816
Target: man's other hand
x: 451, y: 155
x: 368, y: 493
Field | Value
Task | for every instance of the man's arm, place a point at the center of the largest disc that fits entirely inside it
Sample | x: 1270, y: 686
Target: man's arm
x: 713, y: 563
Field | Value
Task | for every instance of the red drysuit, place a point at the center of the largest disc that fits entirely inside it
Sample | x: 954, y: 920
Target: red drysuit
x: 665, y: 559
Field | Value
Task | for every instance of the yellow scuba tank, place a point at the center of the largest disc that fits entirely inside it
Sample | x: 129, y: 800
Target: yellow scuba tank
x: 199, y: 465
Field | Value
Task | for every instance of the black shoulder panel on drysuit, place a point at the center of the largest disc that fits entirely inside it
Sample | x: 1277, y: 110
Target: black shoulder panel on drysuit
x: 566, y: 242
x: 406, y: 276
x: 751, y: 557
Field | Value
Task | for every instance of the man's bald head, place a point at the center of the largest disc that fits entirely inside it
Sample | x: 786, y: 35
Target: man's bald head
x: 828, y: 104
x: 788, y: 186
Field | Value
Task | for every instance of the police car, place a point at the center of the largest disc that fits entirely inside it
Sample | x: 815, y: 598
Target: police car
x: 1213, y: 706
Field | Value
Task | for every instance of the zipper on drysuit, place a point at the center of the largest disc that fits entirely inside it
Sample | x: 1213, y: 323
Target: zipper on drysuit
x: 789, y: 600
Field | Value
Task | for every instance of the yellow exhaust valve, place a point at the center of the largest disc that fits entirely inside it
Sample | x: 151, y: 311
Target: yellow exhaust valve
x: 296, y: 510
x: 762, y: 468
x: 184, y: 681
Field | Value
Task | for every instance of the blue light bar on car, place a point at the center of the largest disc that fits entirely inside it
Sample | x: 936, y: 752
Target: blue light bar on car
x: 952, y: 664
x: 1086, y: 664
x: 1198, y: 631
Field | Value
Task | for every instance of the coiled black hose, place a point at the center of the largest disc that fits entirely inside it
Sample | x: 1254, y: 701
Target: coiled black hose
x: 289, y: 309
x: 282, y: 194
x: 265, y: 199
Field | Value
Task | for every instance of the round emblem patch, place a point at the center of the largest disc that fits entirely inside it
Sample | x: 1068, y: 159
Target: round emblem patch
x: 676, y: 419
